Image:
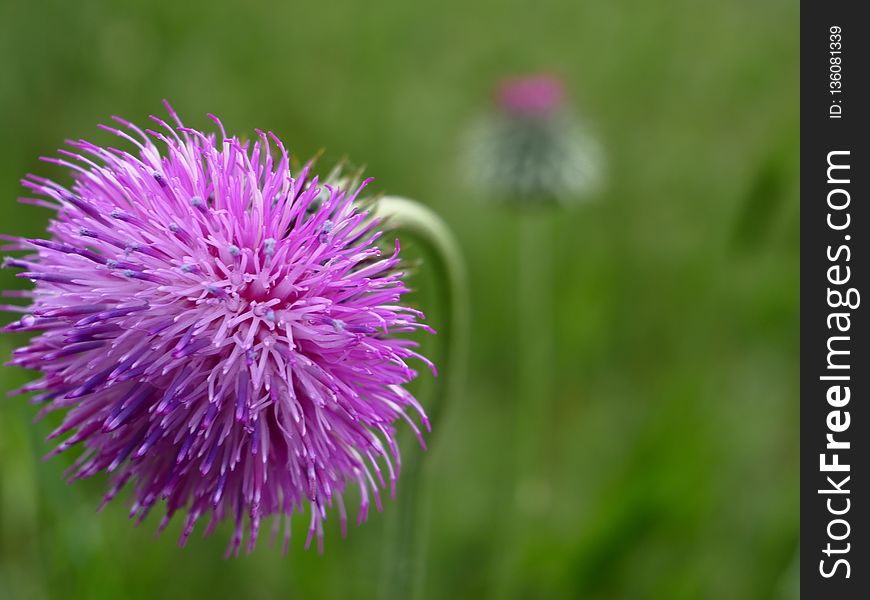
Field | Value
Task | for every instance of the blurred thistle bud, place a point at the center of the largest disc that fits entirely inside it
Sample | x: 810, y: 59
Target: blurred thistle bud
x: 531, y: 149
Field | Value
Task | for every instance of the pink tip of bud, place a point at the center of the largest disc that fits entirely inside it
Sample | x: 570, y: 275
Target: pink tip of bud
x: 532, y: 95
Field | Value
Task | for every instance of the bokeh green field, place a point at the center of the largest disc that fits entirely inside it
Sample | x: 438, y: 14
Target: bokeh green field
x: 662, y: 456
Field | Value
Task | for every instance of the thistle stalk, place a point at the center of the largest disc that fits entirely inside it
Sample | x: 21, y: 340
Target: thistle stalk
x: 404, y: 567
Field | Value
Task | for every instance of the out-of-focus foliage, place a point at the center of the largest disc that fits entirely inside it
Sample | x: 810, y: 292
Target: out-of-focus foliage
x: 666, y: 456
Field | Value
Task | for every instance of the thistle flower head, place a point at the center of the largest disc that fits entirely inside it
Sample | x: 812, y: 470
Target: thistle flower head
x: 224, y: 336
x: 531, y: 150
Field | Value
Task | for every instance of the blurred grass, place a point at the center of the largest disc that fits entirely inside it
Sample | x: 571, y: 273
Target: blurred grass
x: 668, y: 452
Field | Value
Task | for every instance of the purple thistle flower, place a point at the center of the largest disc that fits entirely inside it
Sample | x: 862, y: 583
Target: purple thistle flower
x: 219, y: 332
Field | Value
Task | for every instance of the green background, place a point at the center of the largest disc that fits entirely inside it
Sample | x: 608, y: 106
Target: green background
x: 659, y: 458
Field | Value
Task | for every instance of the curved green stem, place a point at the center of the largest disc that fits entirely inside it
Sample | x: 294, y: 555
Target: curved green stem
x: 443, y: 257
